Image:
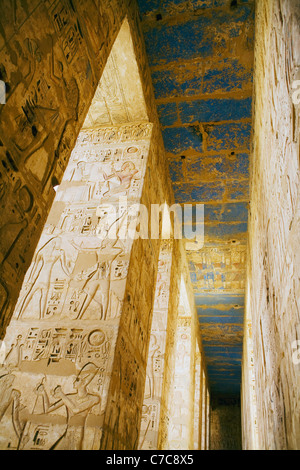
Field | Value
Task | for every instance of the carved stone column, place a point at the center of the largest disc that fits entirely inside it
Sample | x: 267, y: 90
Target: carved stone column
x: 61, y: 343
x: 157, y: 351
x: 181, y: 425
x: 197, y: 410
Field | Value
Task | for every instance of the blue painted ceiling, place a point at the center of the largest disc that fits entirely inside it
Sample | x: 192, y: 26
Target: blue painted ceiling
x: 201, y: 57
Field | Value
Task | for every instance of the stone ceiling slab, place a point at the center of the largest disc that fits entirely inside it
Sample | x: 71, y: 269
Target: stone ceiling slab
x: 201, y: 58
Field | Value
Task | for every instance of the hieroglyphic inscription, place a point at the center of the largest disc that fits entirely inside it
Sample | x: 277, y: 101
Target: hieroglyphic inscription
x: 157, y: 348
x: 66, y: 320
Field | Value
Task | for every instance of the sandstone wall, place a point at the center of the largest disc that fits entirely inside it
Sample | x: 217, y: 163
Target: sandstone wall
x: 51, y: 62
x: 177, y: 425
x: 273, y: 258
x: 225, y: 426
x: 62, y: 337
x: 53, y: 54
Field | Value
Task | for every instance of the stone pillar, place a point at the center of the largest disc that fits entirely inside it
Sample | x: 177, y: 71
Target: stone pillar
x: 197, y: 400
x: 53, y: 54
x: 273, y: 261
x: 56, y: 380
x: 203, y: 421
x: 157, y: 351
x: 248, y: 393
x: 182, y: 399
x: 207, y: 419
x: 249, y: 406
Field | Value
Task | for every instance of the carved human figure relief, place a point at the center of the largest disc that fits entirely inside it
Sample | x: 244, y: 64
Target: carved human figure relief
x: 54, y: 419
x: 94, y: 282
x: 79, y: 403
x: 14, y: 356
x: 11, y: 424
x: 122, y: 177
x: 38, y: 281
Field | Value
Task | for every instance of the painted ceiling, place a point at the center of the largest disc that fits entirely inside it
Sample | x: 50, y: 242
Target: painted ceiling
x: 201, y: 57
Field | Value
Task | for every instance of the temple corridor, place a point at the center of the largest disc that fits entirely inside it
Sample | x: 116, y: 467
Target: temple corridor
x: 149, y: 225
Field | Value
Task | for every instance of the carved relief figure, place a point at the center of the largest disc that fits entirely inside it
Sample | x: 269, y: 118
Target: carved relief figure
x: 40, y: 276
x: 76, y: 407
x: 10, y: 407
x: 123, y: 177
x: 95, y: 281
